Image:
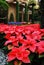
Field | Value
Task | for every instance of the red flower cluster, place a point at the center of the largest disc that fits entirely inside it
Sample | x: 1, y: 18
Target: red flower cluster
x: 24, y: 39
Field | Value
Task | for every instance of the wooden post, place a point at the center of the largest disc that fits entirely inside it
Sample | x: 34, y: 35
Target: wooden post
x: 17, y: 11
x: 33, y: 12
x: 26, y: 12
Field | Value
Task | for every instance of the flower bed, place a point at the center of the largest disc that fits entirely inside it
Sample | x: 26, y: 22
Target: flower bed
x: 23, y: 41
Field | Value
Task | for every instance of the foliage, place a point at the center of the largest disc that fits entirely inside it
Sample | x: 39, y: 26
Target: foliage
x: 3, y: 4
x: 32, y: 1
x: 3, y: 11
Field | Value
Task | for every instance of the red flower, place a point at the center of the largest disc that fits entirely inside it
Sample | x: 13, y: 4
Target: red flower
x: 20, y: 55
x: 42, y: 30
x: 23, y: 56
x: 25, y: 60
x: 7, y: 36
x: 36, y: 35
x: 35, y: 26
x: 27, y: 36
x: 7, y: 42
x: 28, y: 30
x: 12, y: 40
x: 19, y: 29
x: 40, y: 47
x: 2, y: 27
x: 19, y: 37
x: 12, y: 54
x: 31, y: 45
x: 15, y: 43
x: 23, y: 42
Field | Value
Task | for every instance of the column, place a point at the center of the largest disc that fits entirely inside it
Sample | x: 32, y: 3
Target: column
x: 26, y: 13
x: 17, y: 11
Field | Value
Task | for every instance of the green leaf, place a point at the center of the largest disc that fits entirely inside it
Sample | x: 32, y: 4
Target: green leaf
x: 10, y: 63
x: 40, y: 56
x: 31, y: 56
x: 3, y: 4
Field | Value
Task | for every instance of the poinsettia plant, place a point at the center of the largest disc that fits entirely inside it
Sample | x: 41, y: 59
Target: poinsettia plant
x: 22, y: 41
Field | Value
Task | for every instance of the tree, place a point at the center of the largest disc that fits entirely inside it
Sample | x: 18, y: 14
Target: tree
x: 3, y: 4
x: 3, y: 11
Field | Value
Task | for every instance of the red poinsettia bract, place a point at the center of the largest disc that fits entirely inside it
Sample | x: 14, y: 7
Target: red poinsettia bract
x: 23, y: 40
